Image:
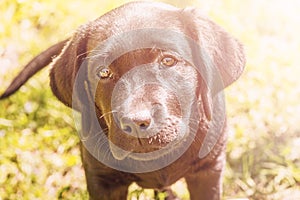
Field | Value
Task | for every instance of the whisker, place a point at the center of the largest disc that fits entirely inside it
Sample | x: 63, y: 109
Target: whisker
x: 107, y: 113
x: 94, y: 54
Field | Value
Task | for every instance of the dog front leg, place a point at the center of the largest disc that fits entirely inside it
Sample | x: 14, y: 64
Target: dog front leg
x: 101, y: 190
x: 103, y: 182
x: 205, y: 185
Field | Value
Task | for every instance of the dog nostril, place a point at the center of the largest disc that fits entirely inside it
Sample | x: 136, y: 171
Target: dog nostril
x: 131, y: 125
x: 127, y: 125
x: 127, y: 129
x: 143, y: 125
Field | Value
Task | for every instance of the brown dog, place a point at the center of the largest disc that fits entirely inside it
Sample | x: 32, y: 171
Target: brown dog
x: 144, y: 77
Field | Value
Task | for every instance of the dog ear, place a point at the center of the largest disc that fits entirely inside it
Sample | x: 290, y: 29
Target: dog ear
x: 65, y: 67
x: 221, y: 54
x: 224, y: 52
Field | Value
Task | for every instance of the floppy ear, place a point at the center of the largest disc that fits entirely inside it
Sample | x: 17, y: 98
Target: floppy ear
x: 65, y: 67
x: 225, y: 52
x: 219, y: 52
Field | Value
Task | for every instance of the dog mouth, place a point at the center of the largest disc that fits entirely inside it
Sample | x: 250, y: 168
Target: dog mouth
x: 148, y: 147
x: 169, y: 133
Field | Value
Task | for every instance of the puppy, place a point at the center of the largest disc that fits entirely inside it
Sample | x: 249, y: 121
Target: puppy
x: 146, y: 80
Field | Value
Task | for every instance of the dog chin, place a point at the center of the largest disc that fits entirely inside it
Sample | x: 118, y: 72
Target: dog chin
x: 158, y: 152
x: 120, y: 154
x: 151, y: 155
x: 161, y: 154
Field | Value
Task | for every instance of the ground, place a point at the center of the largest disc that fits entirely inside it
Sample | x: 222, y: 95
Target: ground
x: 39, y: 156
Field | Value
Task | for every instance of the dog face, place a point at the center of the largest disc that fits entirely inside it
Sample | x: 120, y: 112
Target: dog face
x: 147, y: 104
x: 138, y: 69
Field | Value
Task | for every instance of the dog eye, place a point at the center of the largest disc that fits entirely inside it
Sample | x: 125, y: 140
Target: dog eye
x: 104, y: 73
x: 168, y: 61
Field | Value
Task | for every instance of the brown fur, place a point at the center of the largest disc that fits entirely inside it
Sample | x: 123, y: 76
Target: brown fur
x: 203, y: 176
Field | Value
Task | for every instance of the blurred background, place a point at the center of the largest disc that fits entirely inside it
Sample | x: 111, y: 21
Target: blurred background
x: 39, y: 155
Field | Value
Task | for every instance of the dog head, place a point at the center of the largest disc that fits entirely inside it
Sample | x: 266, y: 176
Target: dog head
x: 145, y: 71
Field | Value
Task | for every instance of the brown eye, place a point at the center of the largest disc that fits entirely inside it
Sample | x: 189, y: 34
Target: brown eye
x: 104, y: 73
x: 168, y: 61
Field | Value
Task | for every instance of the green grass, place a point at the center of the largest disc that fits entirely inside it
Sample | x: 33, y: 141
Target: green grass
x: 39, y: 156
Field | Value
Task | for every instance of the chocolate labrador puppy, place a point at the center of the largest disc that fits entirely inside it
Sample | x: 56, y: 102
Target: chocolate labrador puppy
x: 145, y: 79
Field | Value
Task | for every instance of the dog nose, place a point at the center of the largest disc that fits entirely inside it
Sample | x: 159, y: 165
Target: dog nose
x: 131, y: 124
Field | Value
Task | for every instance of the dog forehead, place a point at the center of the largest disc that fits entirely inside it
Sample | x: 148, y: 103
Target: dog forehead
x: 138, y: 12
x: 133, y: 16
